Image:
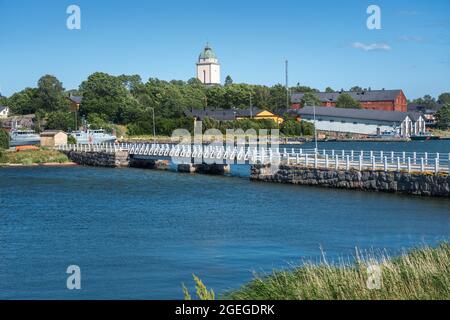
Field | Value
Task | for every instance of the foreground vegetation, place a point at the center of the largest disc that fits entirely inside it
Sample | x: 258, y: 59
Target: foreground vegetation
x: 30, y: 157
x: 422, y: 274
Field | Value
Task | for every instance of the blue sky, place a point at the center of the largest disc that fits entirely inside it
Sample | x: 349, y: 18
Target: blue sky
x: 324, y: 42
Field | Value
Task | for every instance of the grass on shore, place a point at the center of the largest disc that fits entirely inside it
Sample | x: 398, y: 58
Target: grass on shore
x: 33, y: 157
x: 422, y: 274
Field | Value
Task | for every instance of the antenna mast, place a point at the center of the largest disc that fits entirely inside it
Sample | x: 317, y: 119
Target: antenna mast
x: 287, y: 85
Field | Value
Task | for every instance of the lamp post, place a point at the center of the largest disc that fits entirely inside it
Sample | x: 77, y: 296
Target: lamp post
x: 315, y: 130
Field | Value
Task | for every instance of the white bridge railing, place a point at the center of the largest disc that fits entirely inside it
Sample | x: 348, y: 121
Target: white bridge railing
x: 331, y: 159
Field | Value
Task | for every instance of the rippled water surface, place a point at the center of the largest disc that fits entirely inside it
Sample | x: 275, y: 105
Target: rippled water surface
x: 141, y: 233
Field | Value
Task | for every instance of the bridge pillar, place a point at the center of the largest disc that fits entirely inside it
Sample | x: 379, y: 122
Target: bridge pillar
x: 213, y: 169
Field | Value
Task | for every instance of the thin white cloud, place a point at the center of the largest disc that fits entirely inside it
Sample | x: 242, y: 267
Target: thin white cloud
x: 371, y: 46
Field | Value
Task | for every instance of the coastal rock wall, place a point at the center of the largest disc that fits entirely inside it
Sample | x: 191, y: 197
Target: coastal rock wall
x: 401, y: 182
x: 116, y: 159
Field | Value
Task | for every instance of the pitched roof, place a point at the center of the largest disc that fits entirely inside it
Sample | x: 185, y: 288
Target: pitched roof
x: 76, y: 99
x: 362, y: 96
x: 3, y: 108
x: 50, y: 133
x: 363, y: 114
x: 222, y: 114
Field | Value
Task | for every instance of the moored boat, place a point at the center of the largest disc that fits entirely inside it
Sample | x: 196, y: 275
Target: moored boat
x: 23, y: 138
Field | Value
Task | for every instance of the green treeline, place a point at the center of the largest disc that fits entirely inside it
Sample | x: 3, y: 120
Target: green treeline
x: 127, y: 100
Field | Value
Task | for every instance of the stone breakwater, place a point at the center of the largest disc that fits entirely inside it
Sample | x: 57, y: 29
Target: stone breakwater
x: 381, y: 181
x: 116, y: 159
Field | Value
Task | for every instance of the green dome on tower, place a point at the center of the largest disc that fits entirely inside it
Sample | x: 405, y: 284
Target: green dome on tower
x: 207, y: 53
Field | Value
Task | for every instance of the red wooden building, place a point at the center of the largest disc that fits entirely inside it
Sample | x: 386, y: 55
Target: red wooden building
x: 386, y: 100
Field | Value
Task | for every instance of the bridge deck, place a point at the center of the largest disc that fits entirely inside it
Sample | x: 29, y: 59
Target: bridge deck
x: 342, y: 159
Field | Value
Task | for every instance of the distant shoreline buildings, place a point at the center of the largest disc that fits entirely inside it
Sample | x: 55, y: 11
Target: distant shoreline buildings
x: 383, y: 100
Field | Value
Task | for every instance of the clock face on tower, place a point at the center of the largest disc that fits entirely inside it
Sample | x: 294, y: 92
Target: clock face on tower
x: 208, y: 67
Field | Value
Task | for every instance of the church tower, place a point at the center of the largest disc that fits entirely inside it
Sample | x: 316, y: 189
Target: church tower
x: 208, y: 67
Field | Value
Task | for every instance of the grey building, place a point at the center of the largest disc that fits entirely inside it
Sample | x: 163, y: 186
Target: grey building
x: 364, y: 122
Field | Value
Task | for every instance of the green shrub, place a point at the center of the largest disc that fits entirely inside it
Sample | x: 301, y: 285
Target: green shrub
x: 71, y: 140
x: 3, y: 158
x: 4, y: 139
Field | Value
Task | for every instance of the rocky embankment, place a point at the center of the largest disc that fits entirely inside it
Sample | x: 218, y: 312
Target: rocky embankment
x: 424, y: 184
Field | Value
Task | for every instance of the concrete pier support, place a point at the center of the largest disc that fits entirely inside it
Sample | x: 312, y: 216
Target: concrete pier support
x: 213, y: 169
x: 149, y: 164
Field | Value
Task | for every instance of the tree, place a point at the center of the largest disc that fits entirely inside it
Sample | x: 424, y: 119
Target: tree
x: 303, y: 89
x: 103, y: 94
x: 329, y: 90
x: 278, y: 97
x: 444, y: 98
x: 310, y: 99
x: 346, y: 101
x: 291, y: 127
x: 24, y: 102
x: 228, y: 81
x: 60, y: 120
x: 443, y: 117
x: 427, y: 101
x: 4, y: 139
x: 50, y: 94
x: 356, y: 89
x: 194, y: 82
x: 3, y: 100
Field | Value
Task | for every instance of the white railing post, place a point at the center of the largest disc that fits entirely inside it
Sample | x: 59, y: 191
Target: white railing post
x: 352, y: 155
x: 326, y: 161
x: 385, y: 164
x: 374, y: 165
x: 399, y: 167
x: 448, y: 163
x: 336, y: 162
x: 315, y: 161
x: 422, y: 165
x: 409, y: 165
x: 415, y: 157
x: 360, y: 162
x: 306, y: 159
x: 436, y: 165
x: 347, y: 163
x: 426, y: 158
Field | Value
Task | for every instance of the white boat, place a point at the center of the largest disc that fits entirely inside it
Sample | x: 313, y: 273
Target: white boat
x: 89, y: 136
x: 23, y: 138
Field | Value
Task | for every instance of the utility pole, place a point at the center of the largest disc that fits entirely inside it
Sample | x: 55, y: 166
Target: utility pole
x: 251, y: 107
x: 287, y: 86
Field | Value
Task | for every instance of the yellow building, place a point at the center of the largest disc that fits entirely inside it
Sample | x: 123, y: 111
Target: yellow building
x: 234, y: 114
x: 52, y: 138
x: 261, y: 115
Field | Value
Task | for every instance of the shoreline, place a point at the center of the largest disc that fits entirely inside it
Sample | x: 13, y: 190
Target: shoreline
x: 45, y: 164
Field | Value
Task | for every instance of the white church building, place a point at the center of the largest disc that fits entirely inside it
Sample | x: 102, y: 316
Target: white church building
x: 208, y: 67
